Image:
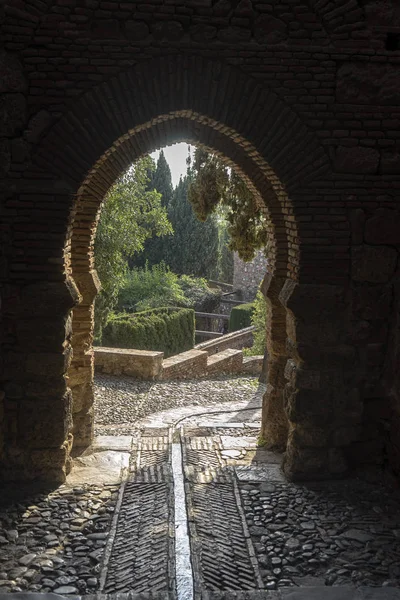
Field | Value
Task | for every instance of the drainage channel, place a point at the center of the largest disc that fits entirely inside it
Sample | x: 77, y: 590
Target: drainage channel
x: 183, y: 563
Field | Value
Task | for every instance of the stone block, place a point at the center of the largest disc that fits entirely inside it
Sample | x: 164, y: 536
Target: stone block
x: 383, y: 228
x: 187, y: 365
x: 88, y: 285
x: 168, y: 30
x: 310, y: 437
x: 136, y: 30
x: 12, y: 114
x: 390, y: 162
x: 12, y: 77
x: 345, y: 435
x: 228, y: 361
x: 37, y: 126
x: 45, y: 299
x: 5, y: 157
x: 234, y: 35
x: 375, y: 264
x: 356, y: 160
x: 105, y: 28
x: 372, y: 302
x: 305, y: 463
x: 357, y: 222
x: 203, y: 33
x: 363, y: 83
x: 44, y: 424
x: 270, y: 30
x: 43, y: 335
x: 142, y: 364
x: 42, y: 364
x: 308, y: 407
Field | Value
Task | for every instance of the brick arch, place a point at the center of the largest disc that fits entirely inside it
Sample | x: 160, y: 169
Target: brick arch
x: 214, y: 105
x: 233, y: 149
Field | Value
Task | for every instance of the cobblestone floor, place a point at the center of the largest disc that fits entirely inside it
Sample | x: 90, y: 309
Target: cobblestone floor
x: 121, y: 402
x: 252, y: 534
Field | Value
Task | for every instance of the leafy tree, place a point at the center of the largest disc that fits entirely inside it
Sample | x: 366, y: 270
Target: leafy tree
x: 213, y: 184
x: 193, y: 248
x: 160, y: 180
x: 130, y: 215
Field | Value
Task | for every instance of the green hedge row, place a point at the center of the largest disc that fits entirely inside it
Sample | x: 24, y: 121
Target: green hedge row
x: 170, y: 330
x: 240, y: 316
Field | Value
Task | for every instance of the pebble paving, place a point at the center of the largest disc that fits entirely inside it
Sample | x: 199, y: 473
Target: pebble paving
x: 121, y: 402
x: 254, y: 536
x: 338, y: 533
x: 54, y: 542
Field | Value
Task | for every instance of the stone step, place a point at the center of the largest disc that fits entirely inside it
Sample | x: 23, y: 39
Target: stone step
x: 253, y: 364
x: 227, y: 361
x: 187, y: 365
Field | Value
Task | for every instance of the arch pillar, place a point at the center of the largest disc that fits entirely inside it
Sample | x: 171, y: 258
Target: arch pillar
x: 36, y: 399
x: 323, y: 379
x: 274, y: 427
x: 81, y: 370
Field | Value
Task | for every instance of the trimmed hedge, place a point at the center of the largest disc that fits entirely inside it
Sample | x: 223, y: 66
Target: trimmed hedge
x: 169, y: 330
x: 240, y: 316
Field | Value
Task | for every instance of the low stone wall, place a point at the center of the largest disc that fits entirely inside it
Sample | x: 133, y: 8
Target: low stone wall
x: 243, y: 338
x: 142, y: 364
x: 187, y: 365
x: 228, y: 361
x: 252, y: 365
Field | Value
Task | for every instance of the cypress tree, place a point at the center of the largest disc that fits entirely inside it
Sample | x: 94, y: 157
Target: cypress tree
x: 160, y: 179
x: 193, y: 249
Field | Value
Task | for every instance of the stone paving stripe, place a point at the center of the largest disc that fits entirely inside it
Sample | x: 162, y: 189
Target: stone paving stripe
x: 260, y: 474
x: 183, y: 565
x: 111, y: 538
x: 141, y: 558
x: 220, y: 552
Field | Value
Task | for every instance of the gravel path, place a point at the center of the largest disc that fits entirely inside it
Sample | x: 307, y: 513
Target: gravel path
x: 120, y: 402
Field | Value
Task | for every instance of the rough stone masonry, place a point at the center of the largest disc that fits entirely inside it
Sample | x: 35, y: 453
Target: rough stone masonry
x: 301, y: 97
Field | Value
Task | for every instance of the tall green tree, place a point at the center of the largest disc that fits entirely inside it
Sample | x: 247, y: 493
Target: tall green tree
x: 131, y: 214
x: 160, y: 180
x: 212, y: 184
x: 193, y: 248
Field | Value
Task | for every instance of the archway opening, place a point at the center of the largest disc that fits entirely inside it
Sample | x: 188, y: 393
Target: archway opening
x: 81, y: 267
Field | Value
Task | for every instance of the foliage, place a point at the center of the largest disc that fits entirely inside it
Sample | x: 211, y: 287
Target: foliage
x: 169, y: 330
x: 160, y: 180
x: 130, y: 214
x: 151, y: 287
x: 259, y: 319
x: 156, y: 286
x: 224, y: 267
x: 240, y: 316
x: 193, y: 248
x: 212, y: 183
x: 199, y: 296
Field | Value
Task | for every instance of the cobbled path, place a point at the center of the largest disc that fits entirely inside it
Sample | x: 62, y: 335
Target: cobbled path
x: 121, y: 402
x: 252, y: 535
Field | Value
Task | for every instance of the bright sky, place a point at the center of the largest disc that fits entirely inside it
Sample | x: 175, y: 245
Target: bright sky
x: 176, y: 156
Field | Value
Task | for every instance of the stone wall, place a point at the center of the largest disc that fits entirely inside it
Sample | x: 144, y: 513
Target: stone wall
x: 247, y: 276
x: 238, y: 339
x: 141, y: 364
x: 187, y: 365
x: 301, y: 98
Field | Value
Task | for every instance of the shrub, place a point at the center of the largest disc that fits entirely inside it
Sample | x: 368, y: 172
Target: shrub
x: 170, y: 330
x: 240, y: 316
x: 199, y: 296
x: 147, y: 288
x: 259, y: 319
